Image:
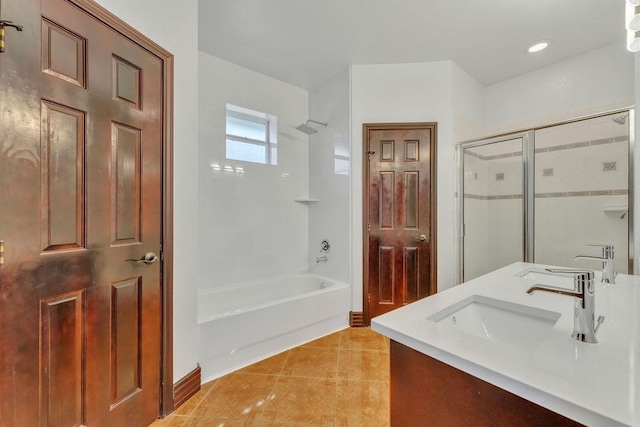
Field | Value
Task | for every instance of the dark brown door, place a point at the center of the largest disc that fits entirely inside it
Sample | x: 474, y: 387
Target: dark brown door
x: 81, y: 119
x: 400, y: 215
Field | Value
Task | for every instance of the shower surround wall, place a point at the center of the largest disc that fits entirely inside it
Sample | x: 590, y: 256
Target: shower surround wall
x: 493, y: 185
x: 329, y: 173
x: 250, y: 227
x: 581, y: 192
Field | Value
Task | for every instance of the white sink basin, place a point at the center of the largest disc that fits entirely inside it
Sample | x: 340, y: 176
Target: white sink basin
x: 500, y: 321
x: 546, y: 278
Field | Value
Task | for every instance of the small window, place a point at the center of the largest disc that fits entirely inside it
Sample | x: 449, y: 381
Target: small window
x: 251, y: 136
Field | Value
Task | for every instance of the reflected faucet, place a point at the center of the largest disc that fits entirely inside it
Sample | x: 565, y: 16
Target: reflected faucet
x: 322, y: 258
x: 608, y: 274
x: 584, y: 326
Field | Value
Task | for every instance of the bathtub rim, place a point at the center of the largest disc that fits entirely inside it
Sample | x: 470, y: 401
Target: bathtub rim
x: 335, y: 286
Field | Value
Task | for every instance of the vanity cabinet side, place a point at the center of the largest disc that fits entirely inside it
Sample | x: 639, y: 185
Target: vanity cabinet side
x: 427, y: 392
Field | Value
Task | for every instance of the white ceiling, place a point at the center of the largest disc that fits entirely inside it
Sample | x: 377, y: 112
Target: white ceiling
x: 305, y: 42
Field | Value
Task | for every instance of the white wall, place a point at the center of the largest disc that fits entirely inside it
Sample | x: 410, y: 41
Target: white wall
x: 594, y: 82
x: 329, y: 179
x: 404, y: 93
x: 176, y: 29
x: 250, y: 228
x: 467, y: 103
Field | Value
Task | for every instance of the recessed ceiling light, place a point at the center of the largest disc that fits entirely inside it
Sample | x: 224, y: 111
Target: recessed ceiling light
x: 538, y: 46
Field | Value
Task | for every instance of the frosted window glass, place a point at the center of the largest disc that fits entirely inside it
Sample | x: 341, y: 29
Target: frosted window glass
x: 238, y: 150
x: 244, y: 127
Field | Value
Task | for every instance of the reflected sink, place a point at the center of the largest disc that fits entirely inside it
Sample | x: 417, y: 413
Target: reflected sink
x: 546, y: 278
x: 497, y: 320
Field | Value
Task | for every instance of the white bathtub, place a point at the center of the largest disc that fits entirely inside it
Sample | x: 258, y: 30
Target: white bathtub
x: 240, y: 325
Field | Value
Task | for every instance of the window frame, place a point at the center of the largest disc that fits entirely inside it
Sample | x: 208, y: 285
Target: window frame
x: 257, y: 117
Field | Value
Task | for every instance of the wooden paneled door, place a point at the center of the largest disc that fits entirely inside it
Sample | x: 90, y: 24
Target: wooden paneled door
x: 400, y: 212
x: 83, y: 141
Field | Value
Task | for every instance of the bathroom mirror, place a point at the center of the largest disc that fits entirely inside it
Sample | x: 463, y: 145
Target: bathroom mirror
x: 547, y: 195
x: 582, y: 191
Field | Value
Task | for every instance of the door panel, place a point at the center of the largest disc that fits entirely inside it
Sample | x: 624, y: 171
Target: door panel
x: 80, y: 172
x: 62, y: 178
x: 400, y: 172
x: 61, y: 354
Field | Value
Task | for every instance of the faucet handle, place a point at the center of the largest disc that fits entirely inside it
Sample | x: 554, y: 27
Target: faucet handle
x: 607, y: 250
x: 583, y: 274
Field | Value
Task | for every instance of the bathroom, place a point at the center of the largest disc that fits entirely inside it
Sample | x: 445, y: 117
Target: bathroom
x: 217, y: 244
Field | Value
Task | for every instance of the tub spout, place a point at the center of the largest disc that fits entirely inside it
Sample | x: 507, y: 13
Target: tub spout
x: 322, y: 258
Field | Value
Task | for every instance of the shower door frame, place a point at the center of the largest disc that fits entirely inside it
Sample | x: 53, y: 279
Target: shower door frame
x: 527, y: 191
x: 528, y: 160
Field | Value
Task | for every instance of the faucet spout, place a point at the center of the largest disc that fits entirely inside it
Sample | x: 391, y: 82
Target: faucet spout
x: 583, y: 292
x: 554, y: 290
x: 321, y: 259
x: 608, y: 273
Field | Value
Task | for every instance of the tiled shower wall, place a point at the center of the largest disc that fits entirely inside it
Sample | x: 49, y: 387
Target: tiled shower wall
x: 250, y: 227
x: 581, y: 191
x: 492, y: 209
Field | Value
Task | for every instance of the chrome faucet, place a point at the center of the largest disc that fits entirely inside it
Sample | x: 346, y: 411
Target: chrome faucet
x: 584, y: 326
x: 608, y: 274
x: 322, y: 258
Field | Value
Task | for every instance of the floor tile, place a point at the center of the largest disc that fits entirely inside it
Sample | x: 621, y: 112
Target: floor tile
x: 362, y: 339
x: 271, y: 366
x: 341, y: 379
x: 236, y: 396
x: 312, y: 362
x: 363, y: 365
x: 310, y: 401
x: 187, y: 407
x: 170, y: 421
x: 217, y: 422
x: 362, y: 403
x: 328, y: 341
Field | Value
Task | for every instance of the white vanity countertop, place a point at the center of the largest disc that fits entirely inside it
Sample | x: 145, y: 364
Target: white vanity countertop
x: 594, y: 384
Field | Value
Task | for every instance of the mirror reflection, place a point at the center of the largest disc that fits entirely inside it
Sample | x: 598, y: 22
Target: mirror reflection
x: 579, y: 197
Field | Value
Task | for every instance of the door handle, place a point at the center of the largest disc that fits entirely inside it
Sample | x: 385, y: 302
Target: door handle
x: 148, y: 258
x: 422, y: 238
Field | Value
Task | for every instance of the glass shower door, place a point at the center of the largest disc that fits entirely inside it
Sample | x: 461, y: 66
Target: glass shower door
x: 493, y: 205
x: 582, y: 191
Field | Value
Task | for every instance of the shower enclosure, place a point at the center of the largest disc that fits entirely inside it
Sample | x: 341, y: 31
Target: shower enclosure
x: 547, y: 195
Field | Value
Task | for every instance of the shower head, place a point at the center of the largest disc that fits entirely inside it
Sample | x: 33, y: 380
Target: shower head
x: 309, y: 130
x: 620, y: 119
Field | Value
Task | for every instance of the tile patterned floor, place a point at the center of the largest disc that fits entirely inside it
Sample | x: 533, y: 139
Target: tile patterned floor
x: 338, y: 380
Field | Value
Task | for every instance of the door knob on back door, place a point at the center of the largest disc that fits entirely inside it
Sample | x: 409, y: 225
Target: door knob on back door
x: 422, y: 238
x: 148, y: 258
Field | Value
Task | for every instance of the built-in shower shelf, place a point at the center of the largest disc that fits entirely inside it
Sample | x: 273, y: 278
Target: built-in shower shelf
x: 306, y: 200
x: 616, y: 208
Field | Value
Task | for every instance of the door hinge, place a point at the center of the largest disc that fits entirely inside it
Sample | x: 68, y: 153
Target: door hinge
x: 369, y: 298
x: 1, y: 252
x: 370, y: 153
x: 368, y: 227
